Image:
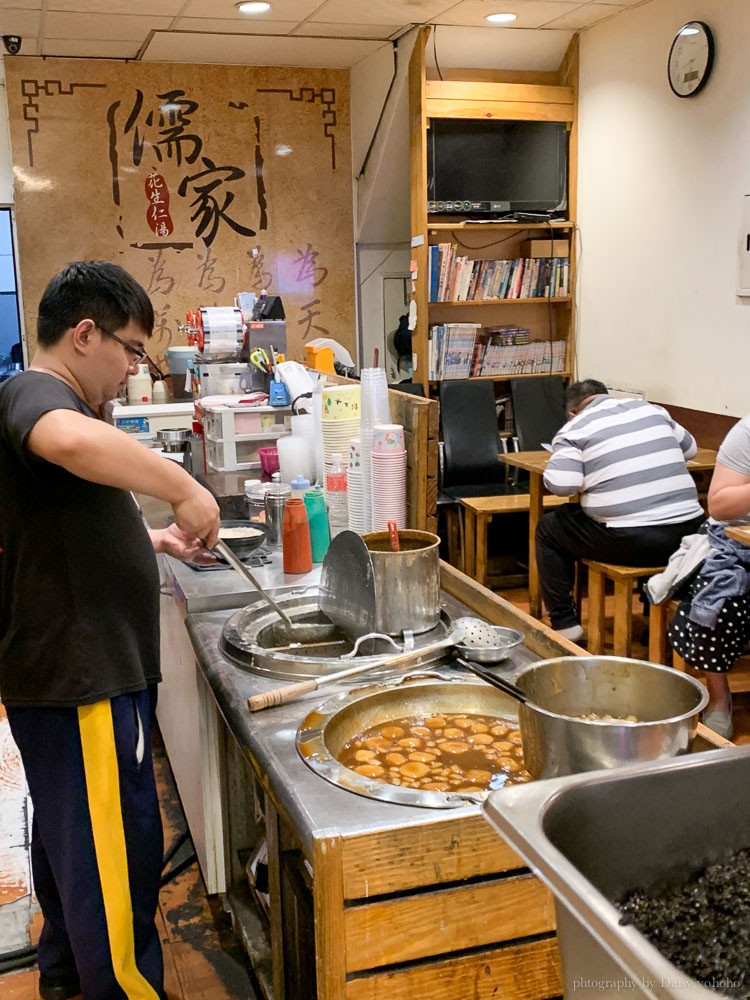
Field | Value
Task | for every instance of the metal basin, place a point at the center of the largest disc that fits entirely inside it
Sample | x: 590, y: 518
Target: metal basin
x: 324, y: 732
x: 556, y: 741
x: 593, y: 838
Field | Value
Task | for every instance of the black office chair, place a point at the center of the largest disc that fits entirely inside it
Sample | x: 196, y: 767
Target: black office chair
x: 468, y: 419
x: 413, y: 388
x: 538, y: 409
x: 471, y: 468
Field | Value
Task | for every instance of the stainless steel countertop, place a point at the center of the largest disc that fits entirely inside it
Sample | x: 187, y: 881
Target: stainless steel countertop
x: 224, y: 588
x: 267, y: 739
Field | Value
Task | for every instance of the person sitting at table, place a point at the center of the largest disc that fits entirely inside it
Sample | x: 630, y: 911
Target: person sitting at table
x: 712, y: 624
x: 626, y: 459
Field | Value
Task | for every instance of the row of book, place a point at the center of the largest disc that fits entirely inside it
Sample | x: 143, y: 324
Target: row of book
x: 453, y: 278
x: 460, y: 350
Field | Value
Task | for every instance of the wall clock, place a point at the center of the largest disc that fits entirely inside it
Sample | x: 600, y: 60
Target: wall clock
x: 690, y: 59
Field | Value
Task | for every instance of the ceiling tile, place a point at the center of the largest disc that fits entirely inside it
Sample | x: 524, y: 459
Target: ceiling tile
x: 585, y: 16
x: 21, y: 5
x: 531, y: 14
x: 380, y: 12
x: 382, y: 31
x: 89, y: 49
x: 249, y: 50
x: 165, y: 8
x: 231, y: 26
x: 109, y: 27
x: 20, y: 22
x: 281, y: 10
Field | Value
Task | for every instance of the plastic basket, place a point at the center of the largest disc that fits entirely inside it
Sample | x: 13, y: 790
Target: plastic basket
x: 269, y: 460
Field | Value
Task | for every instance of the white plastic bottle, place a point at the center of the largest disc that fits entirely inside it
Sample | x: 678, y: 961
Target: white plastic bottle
x: 139, y: 387
x: 336, y: 496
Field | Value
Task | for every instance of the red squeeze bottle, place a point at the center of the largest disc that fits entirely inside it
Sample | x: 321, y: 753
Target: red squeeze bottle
x: 296, y: 537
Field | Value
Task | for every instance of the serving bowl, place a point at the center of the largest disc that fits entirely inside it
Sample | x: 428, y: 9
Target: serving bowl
x: 243, y: 545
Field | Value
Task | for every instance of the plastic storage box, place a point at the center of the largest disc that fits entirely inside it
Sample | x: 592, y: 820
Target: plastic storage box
x: 224, y: 423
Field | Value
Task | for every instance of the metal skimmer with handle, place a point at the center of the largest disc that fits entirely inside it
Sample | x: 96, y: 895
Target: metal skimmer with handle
x: 461, y: 630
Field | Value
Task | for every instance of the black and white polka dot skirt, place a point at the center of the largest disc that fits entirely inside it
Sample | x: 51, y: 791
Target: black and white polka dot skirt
x: 714, y: 649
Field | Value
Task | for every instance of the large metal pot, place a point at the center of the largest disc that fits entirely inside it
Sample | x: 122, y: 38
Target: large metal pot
x: 556, y: 741
x: 407, y: 583
x: 325, y: 730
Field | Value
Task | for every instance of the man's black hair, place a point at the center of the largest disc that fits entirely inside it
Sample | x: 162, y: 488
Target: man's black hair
x: 96, y: 290
x: 578, y: 391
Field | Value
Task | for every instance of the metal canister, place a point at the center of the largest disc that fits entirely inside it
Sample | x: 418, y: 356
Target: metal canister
x: 275, y: 502
x: 407, y: 583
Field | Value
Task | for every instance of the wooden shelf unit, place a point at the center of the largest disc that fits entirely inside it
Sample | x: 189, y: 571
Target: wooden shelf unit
x: 547, y: 318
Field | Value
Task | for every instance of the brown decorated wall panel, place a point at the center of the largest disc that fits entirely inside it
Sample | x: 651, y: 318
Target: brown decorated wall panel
x: 201, y: 180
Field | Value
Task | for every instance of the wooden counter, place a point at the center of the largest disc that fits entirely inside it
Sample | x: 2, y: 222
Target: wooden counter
x: 372, y: 900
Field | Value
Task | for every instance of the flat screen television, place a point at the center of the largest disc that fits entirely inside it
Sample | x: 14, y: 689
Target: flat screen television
x: 497, y: 167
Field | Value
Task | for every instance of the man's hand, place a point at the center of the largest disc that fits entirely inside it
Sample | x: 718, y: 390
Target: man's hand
x: 173, y: 541
x: 198, y: 515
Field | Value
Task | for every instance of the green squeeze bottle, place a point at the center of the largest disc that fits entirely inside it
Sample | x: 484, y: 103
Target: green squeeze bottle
x: 317, y: 515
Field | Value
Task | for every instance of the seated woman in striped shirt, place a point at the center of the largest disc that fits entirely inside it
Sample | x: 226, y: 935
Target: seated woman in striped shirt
x: 626, y: 459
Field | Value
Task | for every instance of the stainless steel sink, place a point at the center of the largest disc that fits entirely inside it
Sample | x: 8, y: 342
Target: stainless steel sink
x: 594, y: 837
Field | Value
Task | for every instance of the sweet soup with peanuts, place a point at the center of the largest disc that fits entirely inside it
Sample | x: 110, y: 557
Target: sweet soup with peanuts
x: 448, y: 752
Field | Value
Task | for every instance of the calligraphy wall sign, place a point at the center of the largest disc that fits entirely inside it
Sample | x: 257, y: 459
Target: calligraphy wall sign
x: 203, y: 181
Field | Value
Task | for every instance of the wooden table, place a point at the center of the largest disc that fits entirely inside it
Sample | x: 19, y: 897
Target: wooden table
x: 738, y: 532
x: 535, y: 462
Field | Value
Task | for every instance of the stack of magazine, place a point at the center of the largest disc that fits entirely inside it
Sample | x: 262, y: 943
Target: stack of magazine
x: 463, y: 350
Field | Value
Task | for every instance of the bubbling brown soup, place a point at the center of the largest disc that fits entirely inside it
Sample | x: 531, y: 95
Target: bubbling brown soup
x: 440, y: 753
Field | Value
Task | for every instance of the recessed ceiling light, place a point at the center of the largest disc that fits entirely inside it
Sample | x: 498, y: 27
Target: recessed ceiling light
x: 500, y: 18
x: 689, y: 31
x: 253, y: 7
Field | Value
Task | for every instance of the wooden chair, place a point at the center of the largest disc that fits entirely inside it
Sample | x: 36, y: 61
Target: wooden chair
x: 478, y: 512
x: 624, y: 579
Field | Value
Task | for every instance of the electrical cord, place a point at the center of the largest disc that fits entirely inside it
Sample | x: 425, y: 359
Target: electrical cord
x: 18, y: 959
x: 434, y: 50
x: 382, y: 112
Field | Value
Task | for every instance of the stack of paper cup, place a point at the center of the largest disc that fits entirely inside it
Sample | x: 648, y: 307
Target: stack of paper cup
x: 375, y: 410
x: 355, y: 488
x: 388, y: 458
x: 339, y: 420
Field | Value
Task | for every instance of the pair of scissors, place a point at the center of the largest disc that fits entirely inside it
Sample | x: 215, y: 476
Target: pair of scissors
x: 259, y: 358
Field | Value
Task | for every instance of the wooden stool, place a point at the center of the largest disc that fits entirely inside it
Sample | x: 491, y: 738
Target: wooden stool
x: 659, y: 616
x: 623, y: 577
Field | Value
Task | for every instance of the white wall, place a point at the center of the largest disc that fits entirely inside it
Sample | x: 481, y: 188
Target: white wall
x: 661, y: 181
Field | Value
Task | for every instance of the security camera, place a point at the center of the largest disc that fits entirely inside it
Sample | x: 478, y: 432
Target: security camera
x: 12, y: 44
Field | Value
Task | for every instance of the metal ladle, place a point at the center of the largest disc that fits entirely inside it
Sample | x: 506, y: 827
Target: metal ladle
x: 286, y: 630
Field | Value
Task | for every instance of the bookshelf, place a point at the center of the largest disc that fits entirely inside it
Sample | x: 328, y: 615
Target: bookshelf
x: 520, y: 306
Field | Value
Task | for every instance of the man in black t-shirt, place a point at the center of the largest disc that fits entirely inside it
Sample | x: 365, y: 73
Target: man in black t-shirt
x: 79, y: 631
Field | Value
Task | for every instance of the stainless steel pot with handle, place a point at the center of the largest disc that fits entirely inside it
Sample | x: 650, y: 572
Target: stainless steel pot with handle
x: 407, y: 582
x: 558, y: 740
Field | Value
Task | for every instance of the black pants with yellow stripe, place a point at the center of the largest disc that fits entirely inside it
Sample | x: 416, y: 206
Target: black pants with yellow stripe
x: 97, y: 845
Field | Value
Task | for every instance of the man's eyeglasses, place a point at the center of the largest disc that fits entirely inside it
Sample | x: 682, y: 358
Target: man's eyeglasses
x: 136, y: 353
